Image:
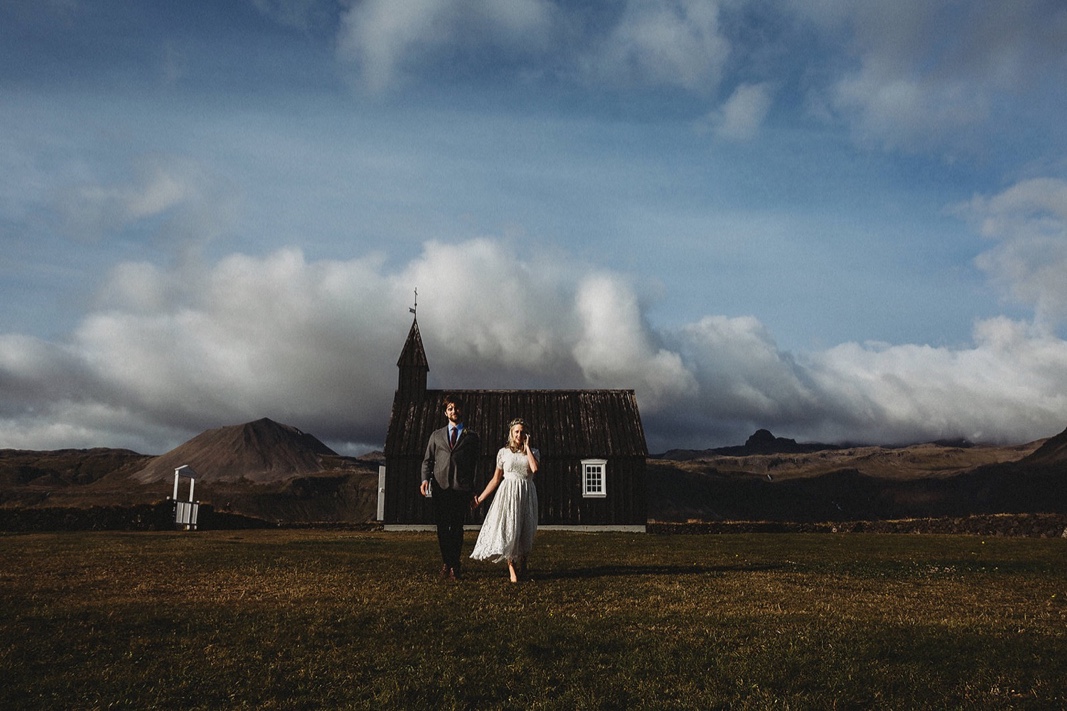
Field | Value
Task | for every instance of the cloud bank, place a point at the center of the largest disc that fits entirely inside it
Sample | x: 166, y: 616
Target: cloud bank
x: 167, y: 352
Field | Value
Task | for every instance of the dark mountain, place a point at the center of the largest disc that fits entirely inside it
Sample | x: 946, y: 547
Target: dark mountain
x: 259, y: 452
x: 64, y: 467
x: 260, y: 471
x: 761, y: 442
x: 1053, y: 451
x: 280, y: 475
x: 865, y: 484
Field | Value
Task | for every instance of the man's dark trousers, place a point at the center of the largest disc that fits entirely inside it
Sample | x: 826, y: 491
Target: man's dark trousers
x: 450, y: 511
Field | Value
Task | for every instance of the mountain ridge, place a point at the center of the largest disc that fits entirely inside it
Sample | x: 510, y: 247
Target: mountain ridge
x: 280, y: 474
x: 262, y: 451
x: 762, y: 441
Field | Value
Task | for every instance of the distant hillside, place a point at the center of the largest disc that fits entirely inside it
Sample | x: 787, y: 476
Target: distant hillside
x: 62, y: 467
x: 1052, y: 452
x: 266, y: 470
x: 280, y: 475
x: 761, y: 442
x: 864, y: 484
x: 259, y: 452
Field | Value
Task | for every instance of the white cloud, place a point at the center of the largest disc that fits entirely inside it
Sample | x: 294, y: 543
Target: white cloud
x: 1009, y: 387
x: 33, y: 370
x: 381, y: 34
x: 929, y: 74
x: 388, y: 37
x: 271, y: 335
x: 174, y: 351
x: 904, y: 111
x: 615, y: 348
x: 676, y: 43
x: 742, y: 115
x: 742, y: 374
x: 189, y: 204
x: 908, y: 74
x: 488, y: 302
x: 1028, y: 222
x: 106, y: 208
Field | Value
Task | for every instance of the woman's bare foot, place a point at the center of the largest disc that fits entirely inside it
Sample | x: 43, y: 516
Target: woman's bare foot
x: 514, y: 573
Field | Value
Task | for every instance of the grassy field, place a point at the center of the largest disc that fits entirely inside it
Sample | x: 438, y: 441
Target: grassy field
x: 317, y: 619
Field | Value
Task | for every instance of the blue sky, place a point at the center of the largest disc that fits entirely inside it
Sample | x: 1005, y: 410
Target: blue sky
x: 840, y: 221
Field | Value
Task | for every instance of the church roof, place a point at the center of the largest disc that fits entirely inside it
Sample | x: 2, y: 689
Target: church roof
x: 571, y: 423
x: 413, y: 354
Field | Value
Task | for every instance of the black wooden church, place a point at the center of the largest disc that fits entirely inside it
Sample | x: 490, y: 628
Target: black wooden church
x: 592, y: 444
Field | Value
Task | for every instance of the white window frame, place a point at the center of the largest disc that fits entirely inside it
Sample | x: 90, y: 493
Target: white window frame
x: 594, y: 492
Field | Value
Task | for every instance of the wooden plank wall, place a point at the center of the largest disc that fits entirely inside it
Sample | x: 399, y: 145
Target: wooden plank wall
x: 559, y: 493
x: 566, y: 426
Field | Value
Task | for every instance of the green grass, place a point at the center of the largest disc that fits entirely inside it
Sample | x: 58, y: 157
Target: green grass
x: 315, y: 619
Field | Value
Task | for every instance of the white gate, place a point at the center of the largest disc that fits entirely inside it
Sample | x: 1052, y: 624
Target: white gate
x: 185, y: 512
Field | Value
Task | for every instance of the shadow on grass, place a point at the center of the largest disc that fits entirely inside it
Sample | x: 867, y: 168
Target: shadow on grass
x: 614, y: 571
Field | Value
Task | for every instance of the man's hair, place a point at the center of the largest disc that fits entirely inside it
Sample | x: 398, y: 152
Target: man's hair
x: 452, y: 400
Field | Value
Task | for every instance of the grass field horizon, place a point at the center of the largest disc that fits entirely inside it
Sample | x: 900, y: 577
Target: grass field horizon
x: 328, y: 619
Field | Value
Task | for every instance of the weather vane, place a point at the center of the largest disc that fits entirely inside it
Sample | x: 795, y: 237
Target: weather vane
x: 415, y: 308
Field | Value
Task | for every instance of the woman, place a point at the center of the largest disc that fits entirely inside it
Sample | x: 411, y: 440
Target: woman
x: 510, y: 525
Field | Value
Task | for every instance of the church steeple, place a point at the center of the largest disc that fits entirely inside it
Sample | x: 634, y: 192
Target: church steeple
x: 412, y: 362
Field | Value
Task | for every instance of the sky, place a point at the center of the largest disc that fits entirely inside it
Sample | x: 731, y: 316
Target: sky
x: 840, y: 221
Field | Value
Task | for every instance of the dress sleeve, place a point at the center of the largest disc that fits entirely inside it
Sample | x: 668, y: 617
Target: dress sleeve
x: 500, y: 458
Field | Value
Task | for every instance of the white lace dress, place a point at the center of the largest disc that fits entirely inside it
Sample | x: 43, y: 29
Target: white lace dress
x: 511, y: 522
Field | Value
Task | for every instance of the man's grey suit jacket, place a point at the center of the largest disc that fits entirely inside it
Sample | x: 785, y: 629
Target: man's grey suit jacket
x: 452, y: 468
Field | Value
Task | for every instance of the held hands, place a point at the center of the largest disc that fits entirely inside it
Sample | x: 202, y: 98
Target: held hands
x: 475, y: 502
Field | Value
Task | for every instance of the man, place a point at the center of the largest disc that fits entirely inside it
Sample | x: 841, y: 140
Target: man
x: 448, y: 469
